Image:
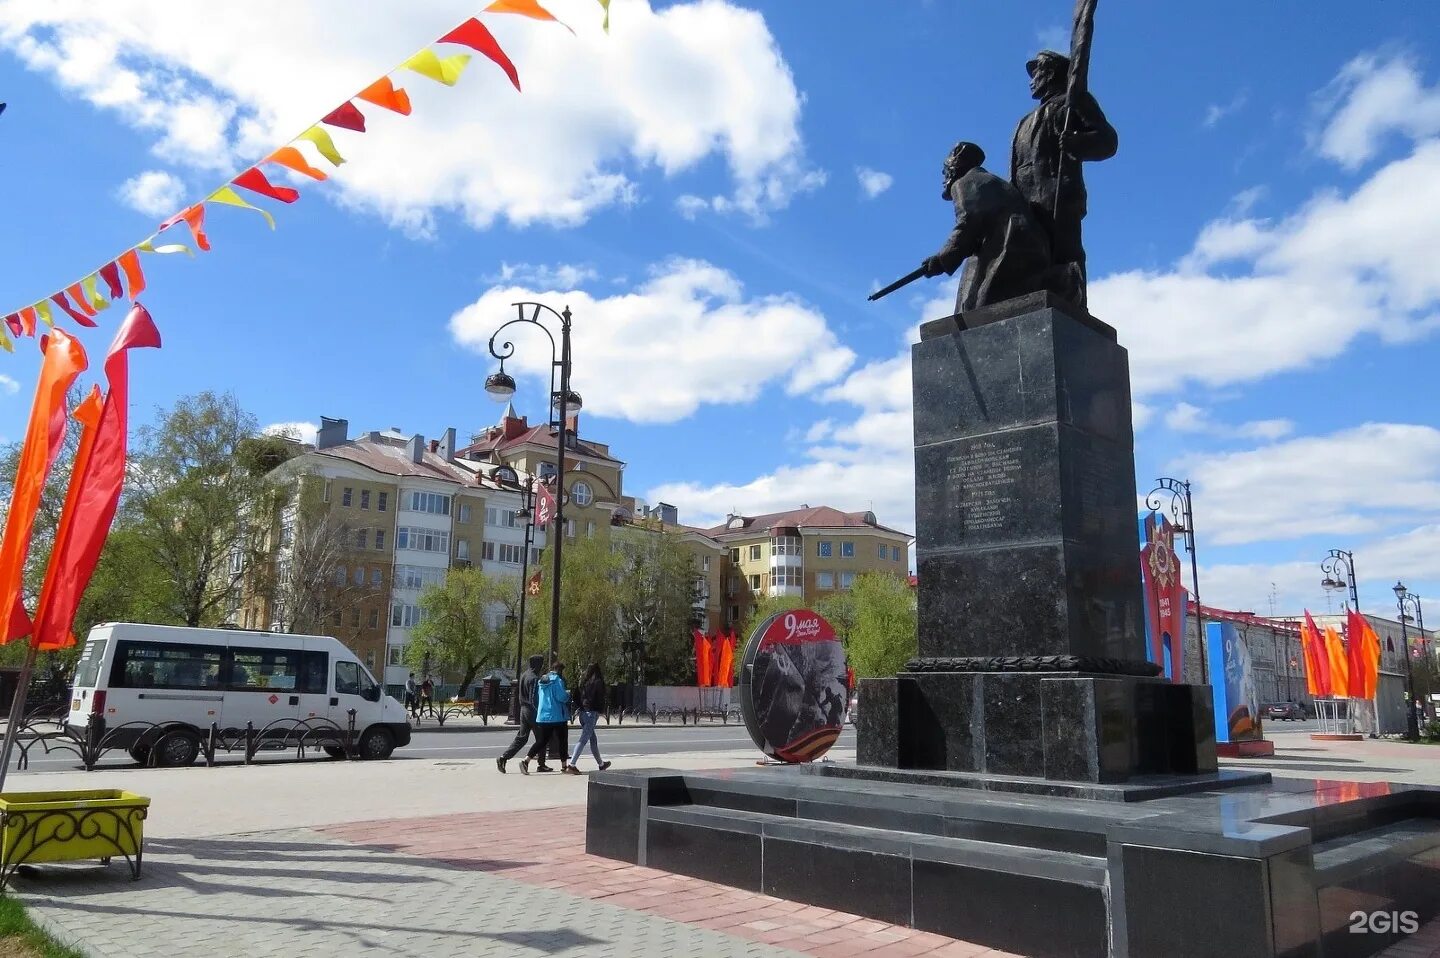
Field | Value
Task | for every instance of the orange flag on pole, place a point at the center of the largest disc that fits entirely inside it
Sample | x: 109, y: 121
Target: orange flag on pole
x: 1339, y: 664
x: 64, y: 360
x: 702, y: 659
x: 1364, y: 657
x: 1317, y: 665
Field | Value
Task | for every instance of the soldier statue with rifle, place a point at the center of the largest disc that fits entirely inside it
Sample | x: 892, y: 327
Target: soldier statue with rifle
x: 1067, y: 129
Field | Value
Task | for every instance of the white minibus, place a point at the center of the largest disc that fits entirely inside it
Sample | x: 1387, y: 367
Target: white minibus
x: 156, y: 675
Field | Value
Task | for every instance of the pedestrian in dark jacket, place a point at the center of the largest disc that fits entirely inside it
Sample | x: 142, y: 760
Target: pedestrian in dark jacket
x: 552, y: 718
x: 592, y: 700
x: 525, y: 689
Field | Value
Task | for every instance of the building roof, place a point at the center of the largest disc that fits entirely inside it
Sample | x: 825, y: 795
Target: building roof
x: 513, y: 432
x: 806, y: 517
x: 389, y: 455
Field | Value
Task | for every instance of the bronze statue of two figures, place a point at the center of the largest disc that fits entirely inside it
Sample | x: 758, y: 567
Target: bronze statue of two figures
x: 1022, y: 235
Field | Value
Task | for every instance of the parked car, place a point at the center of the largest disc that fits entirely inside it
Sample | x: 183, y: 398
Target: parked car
x: 853, y: 709
x: 1288, y: 711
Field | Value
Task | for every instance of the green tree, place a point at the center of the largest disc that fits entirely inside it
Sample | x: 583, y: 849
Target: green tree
x: 839, y: 610
x: 200, y: 499
x: 657, y: 591
x: 457, y: 628
x: 882, y: 638
x: 589, y: 605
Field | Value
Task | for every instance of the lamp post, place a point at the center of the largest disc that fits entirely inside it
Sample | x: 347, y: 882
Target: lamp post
x: 1339, y: 569
x: 501, y: 386
x: 1172, y: 497
x: 526, y: 513
x: 1404, y: 600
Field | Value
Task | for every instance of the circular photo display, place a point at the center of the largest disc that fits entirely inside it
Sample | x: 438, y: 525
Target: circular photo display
x: 792, y: 686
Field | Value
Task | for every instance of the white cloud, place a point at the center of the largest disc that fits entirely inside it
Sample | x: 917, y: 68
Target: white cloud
x: 1355, y: 482
x: 1216, y: 112
x: 1185, y: 417
x: 154, y: 193
x: 303, y: 431
x: 543, y: 276
x: 873, y: 182
x: 215, y: 85
x: 8, y: 385
x: 1371, y: 99
x: 656, y: 353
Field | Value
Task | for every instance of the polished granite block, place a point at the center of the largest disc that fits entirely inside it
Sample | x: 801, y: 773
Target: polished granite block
x: 720, y: 854
x: 877, y: 722
x: 1012, y: 718
x: 1087, y: 727
x: 613, y: 820
x: 855, y: 881
x: 1020, y: 914
x: 1173, y: 899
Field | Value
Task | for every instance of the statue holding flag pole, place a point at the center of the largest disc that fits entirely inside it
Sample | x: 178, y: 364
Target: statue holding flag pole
x: 1067, y: 129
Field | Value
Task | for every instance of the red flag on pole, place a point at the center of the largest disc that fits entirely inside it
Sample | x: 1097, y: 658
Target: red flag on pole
x: 1317, y: 664
x: 544, y: 506
x: 533, y: 586
x: 702, y: 659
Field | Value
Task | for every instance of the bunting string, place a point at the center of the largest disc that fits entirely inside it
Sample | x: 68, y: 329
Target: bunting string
x: 123, y: 277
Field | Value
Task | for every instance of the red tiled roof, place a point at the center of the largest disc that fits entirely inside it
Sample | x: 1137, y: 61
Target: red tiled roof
x: 392, y: 458
x: 823, y: 517
x: 523, y: 433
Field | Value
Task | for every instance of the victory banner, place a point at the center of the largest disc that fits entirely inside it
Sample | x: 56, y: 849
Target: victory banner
x: 1164, y: 596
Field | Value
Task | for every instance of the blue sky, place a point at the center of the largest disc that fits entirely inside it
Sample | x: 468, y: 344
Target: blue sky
x: 694, y: 186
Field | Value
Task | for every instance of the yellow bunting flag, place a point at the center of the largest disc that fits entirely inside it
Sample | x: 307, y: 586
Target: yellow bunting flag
x: 323, y: 143
x: 42, y: 309
x: 606, y: 5
x: 149, y: 247
x: 92, y: 293
x: 525, y: 8
x: 5, y: 342
x: 230, y: 198
x: 446, y: 71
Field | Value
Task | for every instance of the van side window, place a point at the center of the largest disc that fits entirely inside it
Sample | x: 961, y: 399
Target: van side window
x: 87, y: 670
x: 159, y: 665
x: 314, y: 671
x: 347, y: 678
x: 258, y: 670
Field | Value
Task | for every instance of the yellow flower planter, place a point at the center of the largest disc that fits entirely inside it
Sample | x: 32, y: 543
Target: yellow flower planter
x: 70, y: 826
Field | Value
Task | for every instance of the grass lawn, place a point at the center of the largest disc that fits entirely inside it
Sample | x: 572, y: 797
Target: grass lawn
x: 20, y: 938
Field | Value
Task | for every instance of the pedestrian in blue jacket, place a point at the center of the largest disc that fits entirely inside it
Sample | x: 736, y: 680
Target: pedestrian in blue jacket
x: 552, y: 719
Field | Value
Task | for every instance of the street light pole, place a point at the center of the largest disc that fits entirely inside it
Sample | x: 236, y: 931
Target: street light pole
x: 1339, y: 569
x: 1405, y: 600
x: 501, y: 386
x: 526, y: 513
x: 1182, y: 517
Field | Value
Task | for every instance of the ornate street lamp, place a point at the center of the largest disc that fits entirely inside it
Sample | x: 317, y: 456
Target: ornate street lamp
x: 501, y: 386
x: 1405, y: 601
x: 1171, y: 498
x: 525, y: 514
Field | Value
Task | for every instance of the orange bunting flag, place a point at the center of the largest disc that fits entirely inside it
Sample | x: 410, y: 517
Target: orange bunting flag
x: 384, y: 93
x: 78, y: 295
x: 525, y: 8
x: 110, y: 273
x: 194, y: 217
x: 291, y: 158
x: 255, y: 181
x: 347, y: 117
x: 472, y: 33
x: 134, y: 276
x: 1339, y: 664
x: 96, y: 479
x: 59, y: 300
x: 27, y: 320
x: 64, y: 361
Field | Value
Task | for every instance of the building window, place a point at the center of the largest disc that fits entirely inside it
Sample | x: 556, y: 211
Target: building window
x: 462, y: 549
x: 364, y: 498
x: 824, y: 580
x: 784, y: 577
x: 370, y: 660
x: 785, y: 546
x: 884, y: 553
x: 417, y: 577
x: 374, y: 620
x: 734, y: 556
x: 405, y: 616
x: 822, y: 549
x: 394, y: 653
x: 545, y: 470
x: 704, y: 563
x: 379, y: 538
x: 464, y: 512
x: 534, y: 556
x: 336, y: 618
x: 581, y: 494
x: 732, y: 614
x: 847, y: 550
x: 422, y: 540
x: 847, y: 579
x: 383, y: 503
x: 346, y: 495
x: 376, y: 577
x: 501, y: 517
x: 590, y: 529
x: 487, y: 551
x: 755, y: 583
x: 432, y: 502
x: 895, y: 553
x: 341, y: 575
x: 511, y: 554
x: 359, y: 575
x: 360, y: 538
x: 569, y: 528
x: 355, y: 619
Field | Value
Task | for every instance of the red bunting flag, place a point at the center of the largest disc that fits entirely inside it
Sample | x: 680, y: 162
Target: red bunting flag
x: 347, y: 117
x: 473, y: 34
x: 64, y: 361
x: 59, y: 300
x: 384, y: 93
x: 13, y: 321
x: 256, y: 182
x: 95, y: 483
x: 110, y: 273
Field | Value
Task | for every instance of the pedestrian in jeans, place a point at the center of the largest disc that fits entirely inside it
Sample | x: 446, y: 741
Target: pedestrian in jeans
x: 592, y: 700
x: 525, y: 689
x: 552, y: 715
x: 412, y: 696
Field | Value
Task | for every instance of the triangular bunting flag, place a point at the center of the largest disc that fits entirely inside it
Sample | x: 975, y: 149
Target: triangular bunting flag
x: 27, y: 320
x: 59, y: 300
x: 229, y: 197
x: 384, y: 93
x: 149, y: 247
x: 110, y: 273
x: 6, y: 343
x: 81, y: 303
x: 13, y: 323
x: 446, y: 71
x: 323, y: 143
x: 525, y: 8
x: 194, y: 217
x: 472, y: 33
x: 255, y: 181
x: 346, y: 117
x: 42, y: 309
x: 291, y: 158
x: 92, y: 293
x: 606, y: 5
x: 134, y: 277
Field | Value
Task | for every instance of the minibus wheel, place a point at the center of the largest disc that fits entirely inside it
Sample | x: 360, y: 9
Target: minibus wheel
x: 140, y: 753
x: 177, y: 750
x: 377, y: 743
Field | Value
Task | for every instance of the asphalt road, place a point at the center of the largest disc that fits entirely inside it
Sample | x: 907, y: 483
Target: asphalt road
x: 479, y: 743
